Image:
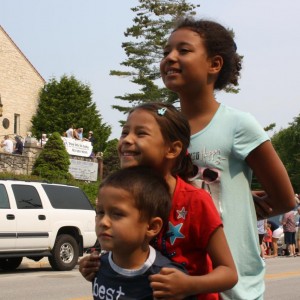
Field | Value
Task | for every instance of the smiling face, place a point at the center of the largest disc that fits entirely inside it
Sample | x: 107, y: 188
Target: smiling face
x: 119, y: 226
x: 185, y: 62
x: 141, y: 142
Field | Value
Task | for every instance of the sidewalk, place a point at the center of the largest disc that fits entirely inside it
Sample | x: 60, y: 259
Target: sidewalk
x: 29, y: 263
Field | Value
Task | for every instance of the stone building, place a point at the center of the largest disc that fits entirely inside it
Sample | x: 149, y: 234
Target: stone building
x: 20, y: 84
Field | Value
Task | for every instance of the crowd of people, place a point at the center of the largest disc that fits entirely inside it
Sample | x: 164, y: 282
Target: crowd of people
x: 285, y: 232
x: 12, y: 147
x: 77, y: 134
x: 15, y: 145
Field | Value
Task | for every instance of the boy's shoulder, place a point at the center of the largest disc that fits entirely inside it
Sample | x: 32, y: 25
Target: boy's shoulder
x: 164, y: 262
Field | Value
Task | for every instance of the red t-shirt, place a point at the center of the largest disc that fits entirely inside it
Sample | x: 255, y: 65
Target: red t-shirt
x: 268, y: 236
x: 193, y: 218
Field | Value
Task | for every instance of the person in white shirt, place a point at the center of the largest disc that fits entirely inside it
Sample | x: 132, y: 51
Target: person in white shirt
x: 7, y: 145
x: 70, y: 132
x: 43, y: 140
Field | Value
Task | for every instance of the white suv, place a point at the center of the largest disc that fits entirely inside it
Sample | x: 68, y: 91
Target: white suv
x: 40, y: 219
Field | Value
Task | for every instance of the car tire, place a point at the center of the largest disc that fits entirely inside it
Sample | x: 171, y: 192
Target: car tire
x: 65, y: 253
x: 10, y: 264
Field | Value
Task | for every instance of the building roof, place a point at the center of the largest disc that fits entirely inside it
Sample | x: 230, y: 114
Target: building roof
x: 19, y: 50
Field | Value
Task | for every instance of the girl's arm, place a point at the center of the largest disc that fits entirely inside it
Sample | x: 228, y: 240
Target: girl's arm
x: 273, y: 177
x: 89, y: 266
x: 177, y: 285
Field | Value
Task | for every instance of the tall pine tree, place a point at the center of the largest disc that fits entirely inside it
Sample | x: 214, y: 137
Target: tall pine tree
x: 152, y: 25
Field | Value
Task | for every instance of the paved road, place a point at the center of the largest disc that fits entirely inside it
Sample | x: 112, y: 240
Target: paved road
x: 282, y: 278
x: 282, y: 281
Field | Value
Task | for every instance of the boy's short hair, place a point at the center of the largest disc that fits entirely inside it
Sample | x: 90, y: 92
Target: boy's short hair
x: 148, y: 188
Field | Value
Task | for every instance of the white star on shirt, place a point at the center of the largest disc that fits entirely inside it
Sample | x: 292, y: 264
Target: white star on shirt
x: 181, y: 213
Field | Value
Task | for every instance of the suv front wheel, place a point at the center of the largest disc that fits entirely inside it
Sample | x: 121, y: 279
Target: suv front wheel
x: 65, y: 253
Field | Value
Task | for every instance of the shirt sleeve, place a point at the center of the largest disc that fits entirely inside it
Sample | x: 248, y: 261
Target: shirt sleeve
x: 249, y: 134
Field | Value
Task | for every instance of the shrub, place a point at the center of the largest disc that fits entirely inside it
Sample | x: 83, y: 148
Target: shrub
x: 53, y: 162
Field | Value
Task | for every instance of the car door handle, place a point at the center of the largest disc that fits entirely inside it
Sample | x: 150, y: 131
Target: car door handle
x: 10, y: 217
x: 42, y: 217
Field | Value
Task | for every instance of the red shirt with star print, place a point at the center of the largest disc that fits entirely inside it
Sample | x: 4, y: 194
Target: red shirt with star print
x: 193, y: 219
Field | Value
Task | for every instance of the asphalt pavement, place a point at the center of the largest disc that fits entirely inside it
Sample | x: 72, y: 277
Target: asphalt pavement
x: 282, y: 277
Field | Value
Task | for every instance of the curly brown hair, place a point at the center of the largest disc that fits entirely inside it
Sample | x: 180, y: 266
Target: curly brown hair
x: 218, y: 41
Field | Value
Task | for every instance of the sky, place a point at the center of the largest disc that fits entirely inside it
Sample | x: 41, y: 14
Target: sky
x: 83, y: 38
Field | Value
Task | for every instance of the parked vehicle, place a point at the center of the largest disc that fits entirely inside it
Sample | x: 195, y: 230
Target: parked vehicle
x: 39, y: 219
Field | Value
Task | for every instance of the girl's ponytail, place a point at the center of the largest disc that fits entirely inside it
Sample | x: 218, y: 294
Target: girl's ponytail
x: 185, y: 169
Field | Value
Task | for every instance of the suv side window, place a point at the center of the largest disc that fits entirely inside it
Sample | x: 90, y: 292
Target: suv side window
x: 26, y: 197
x: 67, y: 197
x: 4, y: 202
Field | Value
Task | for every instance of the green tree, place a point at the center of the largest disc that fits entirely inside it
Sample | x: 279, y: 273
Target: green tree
x: 270, y: 127
x: 66, y: 102
x: 111, y: 160
x: 53, y: 162
x: 152, y: 25
x: 287, y: 144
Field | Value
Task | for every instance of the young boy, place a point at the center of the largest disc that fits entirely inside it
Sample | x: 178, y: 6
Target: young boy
x: 133, y: 205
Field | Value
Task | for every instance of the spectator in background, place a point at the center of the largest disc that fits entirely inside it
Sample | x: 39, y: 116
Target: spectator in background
x: 289, y: 229
x: 298, y: 233
x: 80, y: 133
x: 75, y: 134
x: 261, y: 229
x: 268, y: 239
x: 91, y: 137
x: 7, y: 145
x: 19, y: 146
x: 276, y: 233
x: 70, y: 132
x: 43, y: 140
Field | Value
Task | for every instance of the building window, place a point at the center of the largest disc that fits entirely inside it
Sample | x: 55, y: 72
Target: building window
x: 17, y: 124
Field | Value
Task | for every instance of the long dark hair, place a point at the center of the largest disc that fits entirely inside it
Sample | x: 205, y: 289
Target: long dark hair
x: 174, y: 127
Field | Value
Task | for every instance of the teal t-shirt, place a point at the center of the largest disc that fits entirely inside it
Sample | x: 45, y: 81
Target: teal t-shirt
x: 219, y: 150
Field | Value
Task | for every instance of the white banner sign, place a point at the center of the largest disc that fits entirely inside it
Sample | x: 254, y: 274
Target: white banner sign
x: 83, y: 170
x: 78, y: 148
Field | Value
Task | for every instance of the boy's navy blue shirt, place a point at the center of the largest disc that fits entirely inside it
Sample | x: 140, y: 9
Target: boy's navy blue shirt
x: 113, y: 282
